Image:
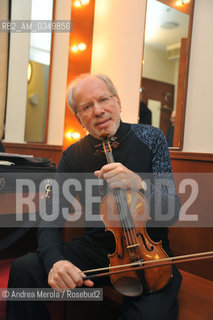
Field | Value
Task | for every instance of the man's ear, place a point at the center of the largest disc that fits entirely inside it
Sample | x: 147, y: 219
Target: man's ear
x: 118, y: 102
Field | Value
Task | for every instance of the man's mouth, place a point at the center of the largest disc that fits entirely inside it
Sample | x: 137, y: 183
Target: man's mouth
x: 103, y: 123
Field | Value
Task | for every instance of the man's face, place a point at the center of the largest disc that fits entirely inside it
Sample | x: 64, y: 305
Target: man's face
x: 97, y: 109
x: 173, y: 117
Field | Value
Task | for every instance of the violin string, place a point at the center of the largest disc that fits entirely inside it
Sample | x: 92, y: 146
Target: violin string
x: 110, y: 159
x: 133, y: 233
x: 129, y: 233
x: 130, y: 236
x: 123, y: 223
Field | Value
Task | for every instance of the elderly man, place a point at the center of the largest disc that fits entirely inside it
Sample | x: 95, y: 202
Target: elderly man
x: 170, y: 133
x: 142, y: 149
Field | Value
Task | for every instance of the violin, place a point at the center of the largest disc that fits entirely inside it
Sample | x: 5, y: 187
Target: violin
x: 133, y: 244
x: 138, y: 264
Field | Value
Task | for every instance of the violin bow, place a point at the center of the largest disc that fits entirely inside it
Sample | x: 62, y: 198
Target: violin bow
x: 138, y: 265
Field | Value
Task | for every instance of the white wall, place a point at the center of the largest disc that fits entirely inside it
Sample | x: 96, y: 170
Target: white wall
x: 59, y: 77
x: 17, y: 75
x: 156, y: 65
x: 17, y: 78
x: 198, y: 135
x: 40, y: 43
x: 117, y: 49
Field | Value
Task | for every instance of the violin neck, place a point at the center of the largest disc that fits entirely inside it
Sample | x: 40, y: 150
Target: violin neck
x: 120, y: 195
x: 109, y: 157
x: 108, y: 151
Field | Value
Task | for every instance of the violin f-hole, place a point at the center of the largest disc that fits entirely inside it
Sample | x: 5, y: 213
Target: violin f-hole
x: 144, y: 242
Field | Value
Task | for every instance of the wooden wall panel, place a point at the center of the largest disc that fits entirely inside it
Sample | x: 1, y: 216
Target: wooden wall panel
x: 37, y: 150
x: 157, y: 90
x: 193, y: 240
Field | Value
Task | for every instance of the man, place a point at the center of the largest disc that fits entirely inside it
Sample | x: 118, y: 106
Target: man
x: 96, y: 104
x: 145, y: 114
x: 170, y: 133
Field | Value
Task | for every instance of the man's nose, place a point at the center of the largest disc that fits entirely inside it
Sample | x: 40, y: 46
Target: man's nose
x: 98, y: 108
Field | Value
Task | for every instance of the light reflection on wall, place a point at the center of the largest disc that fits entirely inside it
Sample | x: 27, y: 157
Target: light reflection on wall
x: 37, y: 90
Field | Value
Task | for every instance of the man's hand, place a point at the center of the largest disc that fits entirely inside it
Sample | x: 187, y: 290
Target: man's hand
x: 118, y: 176
x: 65, y: 275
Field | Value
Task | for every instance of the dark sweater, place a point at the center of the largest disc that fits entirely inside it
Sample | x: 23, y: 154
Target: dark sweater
x: 142, y: 149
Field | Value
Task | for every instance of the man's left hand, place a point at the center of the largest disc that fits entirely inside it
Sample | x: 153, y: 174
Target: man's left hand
x: 118, y: 176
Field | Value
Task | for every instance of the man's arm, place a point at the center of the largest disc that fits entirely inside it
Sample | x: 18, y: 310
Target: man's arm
x: 161, y: 193
x: 62, y: 274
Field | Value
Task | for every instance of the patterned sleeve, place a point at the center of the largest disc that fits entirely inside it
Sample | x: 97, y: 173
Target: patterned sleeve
x: 163, y: 200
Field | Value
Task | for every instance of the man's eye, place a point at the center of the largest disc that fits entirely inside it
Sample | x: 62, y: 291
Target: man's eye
x: 87, y: 107
x: 104, y: 100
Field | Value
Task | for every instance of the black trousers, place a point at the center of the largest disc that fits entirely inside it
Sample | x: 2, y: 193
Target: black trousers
x: 28, y: 272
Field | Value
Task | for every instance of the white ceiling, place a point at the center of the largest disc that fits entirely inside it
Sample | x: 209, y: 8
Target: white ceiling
x: 159, y: 13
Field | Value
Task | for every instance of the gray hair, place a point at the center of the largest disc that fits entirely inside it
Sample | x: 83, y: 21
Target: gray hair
x: 70, y: 96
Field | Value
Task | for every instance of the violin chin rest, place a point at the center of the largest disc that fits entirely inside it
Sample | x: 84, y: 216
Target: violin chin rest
x: 128, y: 286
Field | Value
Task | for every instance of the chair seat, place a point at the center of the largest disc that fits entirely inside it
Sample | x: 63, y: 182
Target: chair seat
x: 56, y: 308
x: 5, y: 266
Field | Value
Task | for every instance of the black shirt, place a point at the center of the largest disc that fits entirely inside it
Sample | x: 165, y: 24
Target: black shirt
x: 142, y: 149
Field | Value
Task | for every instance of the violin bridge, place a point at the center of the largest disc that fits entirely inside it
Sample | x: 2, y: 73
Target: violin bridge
x: 133, y: 246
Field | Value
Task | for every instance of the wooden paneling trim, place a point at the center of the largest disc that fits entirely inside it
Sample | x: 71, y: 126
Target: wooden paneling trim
x: 50, y: 75
x: 184, y: 8
x: 36, y: 149
x: 181, y: 89
x: 181, y: 113
x: 192, y: 156
x: 9, y: 145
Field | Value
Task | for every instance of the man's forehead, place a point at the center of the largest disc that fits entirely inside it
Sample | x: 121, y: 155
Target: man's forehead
x: 90, y: 85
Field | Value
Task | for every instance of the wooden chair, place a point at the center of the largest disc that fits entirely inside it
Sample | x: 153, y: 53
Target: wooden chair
x: 195, y: 298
